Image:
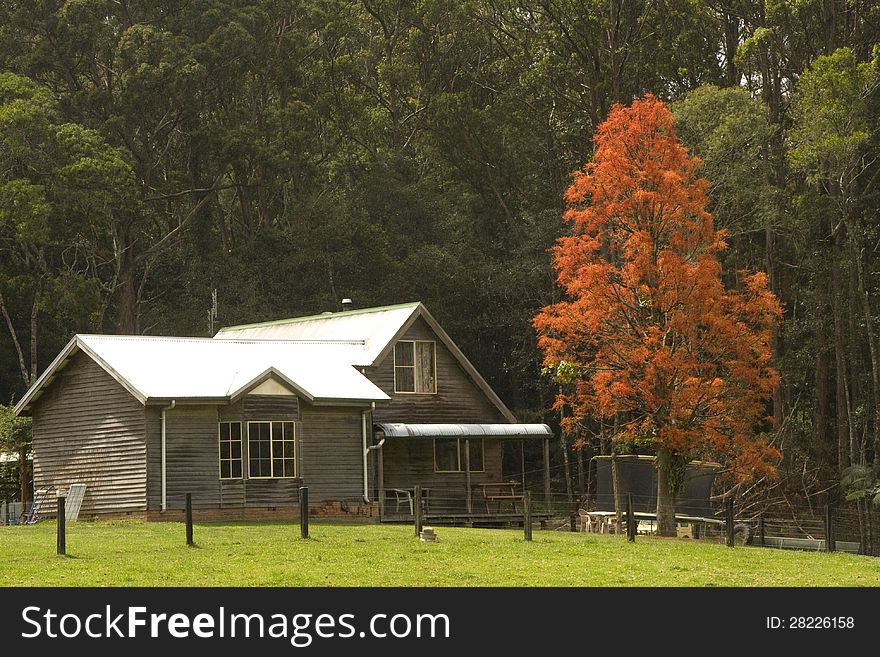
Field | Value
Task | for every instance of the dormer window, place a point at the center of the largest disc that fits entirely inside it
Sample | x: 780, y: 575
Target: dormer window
x: 415, y: 366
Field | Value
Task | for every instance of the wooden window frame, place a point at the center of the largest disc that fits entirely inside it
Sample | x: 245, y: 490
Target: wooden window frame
x: 458, y: 448
x: 220, y: 458
x: 414, y: 366
x: 272, y: 442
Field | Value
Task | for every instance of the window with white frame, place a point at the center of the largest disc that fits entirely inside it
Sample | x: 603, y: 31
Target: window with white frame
x: 230, y: 450
x: 271, y: 450
x: 449, y: 454
x: 415, y: 364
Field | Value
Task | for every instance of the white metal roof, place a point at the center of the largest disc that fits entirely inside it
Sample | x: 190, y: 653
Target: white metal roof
x: 156, y: 368
x: 317, y: 356
x: 407, y: 430
x: 374, y: 327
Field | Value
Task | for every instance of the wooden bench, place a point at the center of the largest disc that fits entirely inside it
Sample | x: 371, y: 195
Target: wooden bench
x: 500, y: 492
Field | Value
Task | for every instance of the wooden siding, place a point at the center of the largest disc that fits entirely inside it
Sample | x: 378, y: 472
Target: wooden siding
x: 89, y: 429
x: 458, y: 398
x: 332, y: 461
x: 410, y: 461
x: 193, y: 455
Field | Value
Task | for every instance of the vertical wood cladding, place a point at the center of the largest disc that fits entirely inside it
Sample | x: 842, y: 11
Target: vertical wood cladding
x: 458, y: 398
x: 89, y: 429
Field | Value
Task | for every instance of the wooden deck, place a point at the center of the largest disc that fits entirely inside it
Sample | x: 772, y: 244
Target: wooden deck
x: 466, y: 519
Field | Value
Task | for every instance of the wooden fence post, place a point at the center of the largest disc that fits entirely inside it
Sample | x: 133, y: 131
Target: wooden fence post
x: 830, y: 543
x: 417, y: 508
x: 762, y: 537
x: 189, y: 519
x: 304, y: 511
x: 730, y: 521
x: 62, y: 512
x: 630, y: 519
x: 572, y: 519
x: 527, y: 515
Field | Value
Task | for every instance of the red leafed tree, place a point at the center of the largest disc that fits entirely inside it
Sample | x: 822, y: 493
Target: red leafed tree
x: 648, y: 333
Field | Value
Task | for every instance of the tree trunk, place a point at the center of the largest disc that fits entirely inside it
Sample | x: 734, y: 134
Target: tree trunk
x: 871, y: 336
x: 840, y: 376
x: 563, y: 443
x: 666, y: 495
x: 23, y: 483
x: 615, y: 486
x: 579, y: 454
x: 126, y: 274
x: 823, y: 448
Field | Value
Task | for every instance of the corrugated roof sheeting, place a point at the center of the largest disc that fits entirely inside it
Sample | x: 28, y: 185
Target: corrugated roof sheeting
x: 374, y: 327
x: 180, y: 368
x: 404, y: 430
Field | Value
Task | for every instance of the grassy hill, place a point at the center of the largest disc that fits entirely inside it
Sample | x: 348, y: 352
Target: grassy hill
x: 133, y: 553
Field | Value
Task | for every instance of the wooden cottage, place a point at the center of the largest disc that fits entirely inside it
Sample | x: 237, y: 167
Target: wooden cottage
x: 359, y: 405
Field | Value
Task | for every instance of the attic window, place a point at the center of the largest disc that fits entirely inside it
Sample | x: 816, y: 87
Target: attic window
x: 414, y: 366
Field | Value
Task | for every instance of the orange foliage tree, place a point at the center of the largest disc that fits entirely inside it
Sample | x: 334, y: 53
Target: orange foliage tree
x: 648, y: 333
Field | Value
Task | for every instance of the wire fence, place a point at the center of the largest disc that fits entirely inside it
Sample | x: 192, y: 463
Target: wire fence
x: 853, y: 527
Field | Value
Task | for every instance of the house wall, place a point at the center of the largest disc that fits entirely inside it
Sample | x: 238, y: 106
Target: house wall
x: 328, y: 446
x: 89, y: 429
x: 458, y: 398
x: 192, y: 455
x: 332, y: 460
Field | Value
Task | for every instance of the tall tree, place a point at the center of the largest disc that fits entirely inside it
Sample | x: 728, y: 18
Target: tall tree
x: 16, y: 435
x: 653, y: 332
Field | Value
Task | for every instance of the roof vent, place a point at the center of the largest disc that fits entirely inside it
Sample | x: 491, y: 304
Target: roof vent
x: 347, y: 304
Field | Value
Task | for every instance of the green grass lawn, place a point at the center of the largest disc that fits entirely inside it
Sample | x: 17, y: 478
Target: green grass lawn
x: 132, y: 553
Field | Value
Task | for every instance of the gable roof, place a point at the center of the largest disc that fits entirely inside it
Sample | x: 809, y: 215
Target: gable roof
x: 315, y: 356
x: 161, y: 368
x: 377, y: 328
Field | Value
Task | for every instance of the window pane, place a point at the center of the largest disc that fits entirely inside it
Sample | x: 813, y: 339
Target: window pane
x: 403, y: 353
x: 446, y: 454
x: 476, y: 452
x: 259, y: 449
x: 404, y: 379
x: 230, y: 450
x: 288, y: 431
x: 287, y: 465
x: 424, y: 367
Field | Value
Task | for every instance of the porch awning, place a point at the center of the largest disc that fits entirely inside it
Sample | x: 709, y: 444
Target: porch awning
x: 407, y: 430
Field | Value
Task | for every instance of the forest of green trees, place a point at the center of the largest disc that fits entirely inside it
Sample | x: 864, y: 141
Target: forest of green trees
x: 289, y: 153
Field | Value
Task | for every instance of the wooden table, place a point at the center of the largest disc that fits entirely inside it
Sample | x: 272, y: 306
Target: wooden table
x: 500, y: 492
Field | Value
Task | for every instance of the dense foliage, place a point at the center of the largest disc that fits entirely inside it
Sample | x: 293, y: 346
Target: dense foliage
x: 288, y: 153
